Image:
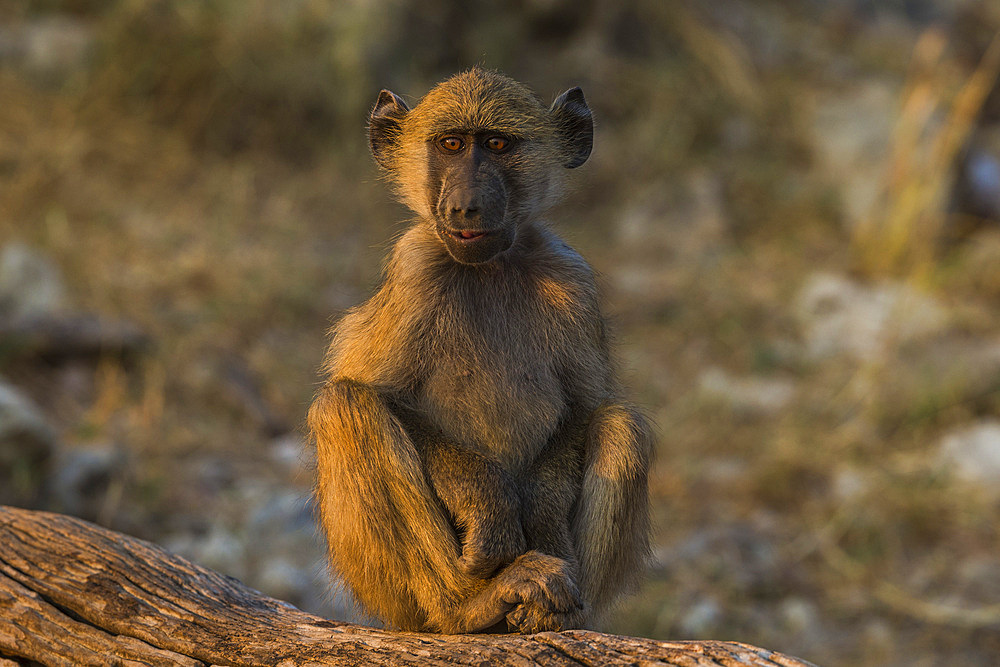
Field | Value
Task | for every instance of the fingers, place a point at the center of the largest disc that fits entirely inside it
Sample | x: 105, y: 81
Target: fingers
x: 544, y: 593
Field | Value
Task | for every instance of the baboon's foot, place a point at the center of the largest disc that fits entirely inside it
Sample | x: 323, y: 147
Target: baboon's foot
x: 546, y: 594
x: 528, y: 618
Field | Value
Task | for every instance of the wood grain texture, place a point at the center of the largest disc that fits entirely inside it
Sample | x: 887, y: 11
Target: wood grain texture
x: 72, y: 593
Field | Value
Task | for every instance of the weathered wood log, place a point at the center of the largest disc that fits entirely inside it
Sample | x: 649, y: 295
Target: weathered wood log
x: 72, y: 593
x: 57, y: 338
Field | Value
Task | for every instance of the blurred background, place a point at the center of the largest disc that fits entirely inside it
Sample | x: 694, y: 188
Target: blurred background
x: 794, y: 208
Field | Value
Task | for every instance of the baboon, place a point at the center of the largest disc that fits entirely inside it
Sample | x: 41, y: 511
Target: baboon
x: 478, y: 469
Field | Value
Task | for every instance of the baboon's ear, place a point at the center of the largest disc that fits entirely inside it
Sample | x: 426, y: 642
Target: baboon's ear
x: 383, y: 125
x: 575, y: 126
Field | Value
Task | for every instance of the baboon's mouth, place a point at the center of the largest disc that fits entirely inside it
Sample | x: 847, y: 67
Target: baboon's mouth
x: 467, y: 235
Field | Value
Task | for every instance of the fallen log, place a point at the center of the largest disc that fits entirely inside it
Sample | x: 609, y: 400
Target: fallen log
x: 72, y: 593
x: 58, y: 338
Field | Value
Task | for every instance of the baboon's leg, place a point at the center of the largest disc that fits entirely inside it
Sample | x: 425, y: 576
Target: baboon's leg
x: 482, y: 502
x: 389, y: 539
x: 550, y: 489
x: 611, y: 525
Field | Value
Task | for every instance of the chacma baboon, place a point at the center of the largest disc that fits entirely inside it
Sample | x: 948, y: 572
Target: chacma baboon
x: 477, y: 468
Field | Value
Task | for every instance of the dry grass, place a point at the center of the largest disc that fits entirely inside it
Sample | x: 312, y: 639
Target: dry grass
x: 904, y: 233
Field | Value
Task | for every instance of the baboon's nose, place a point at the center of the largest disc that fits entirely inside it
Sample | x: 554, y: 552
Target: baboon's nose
x: 471, y: 213
x: 462, y: 204
x: 464, y: 209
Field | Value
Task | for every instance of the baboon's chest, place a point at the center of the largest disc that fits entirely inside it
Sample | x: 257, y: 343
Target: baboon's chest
x: 494, y: 387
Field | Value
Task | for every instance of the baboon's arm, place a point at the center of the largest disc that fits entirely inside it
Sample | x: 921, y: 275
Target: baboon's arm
x: 482, y: 502
x: 611, y: 525
x: 551, y: 489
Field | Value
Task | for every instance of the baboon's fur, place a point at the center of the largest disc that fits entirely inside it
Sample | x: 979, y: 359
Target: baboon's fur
x: 476, y: 462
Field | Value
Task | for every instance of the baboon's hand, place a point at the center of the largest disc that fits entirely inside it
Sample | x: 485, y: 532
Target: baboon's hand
x: 544, y: 593
x: 489, y: 544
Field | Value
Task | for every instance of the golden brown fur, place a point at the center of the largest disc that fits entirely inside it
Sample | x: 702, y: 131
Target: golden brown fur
x: 477, y: 465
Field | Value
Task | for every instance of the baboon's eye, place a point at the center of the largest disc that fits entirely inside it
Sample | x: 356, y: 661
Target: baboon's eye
x: 451, y: 144
x: 497, y: 144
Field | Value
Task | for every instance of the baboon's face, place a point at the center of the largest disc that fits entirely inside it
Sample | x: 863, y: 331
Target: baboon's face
x: 479, y: 156
x: 470, y: 181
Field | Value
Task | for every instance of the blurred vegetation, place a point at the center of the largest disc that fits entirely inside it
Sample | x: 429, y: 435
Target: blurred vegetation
x: 201, y: 168
x: 905, y: 232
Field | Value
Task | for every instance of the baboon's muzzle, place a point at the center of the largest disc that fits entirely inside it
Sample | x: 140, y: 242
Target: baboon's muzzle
x: 471, y: 220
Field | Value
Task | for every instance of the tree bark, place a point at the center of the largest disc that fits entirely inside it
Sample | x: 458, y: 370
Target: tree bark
x: 72, y: 593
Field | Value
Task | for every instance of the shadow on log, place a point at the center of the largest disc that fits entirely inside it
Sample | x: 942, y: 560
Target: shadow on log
x: 72, y: 593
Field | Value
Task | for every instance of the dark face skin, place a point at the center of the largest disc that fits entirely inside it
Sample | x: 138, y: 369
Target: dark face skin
x: 470, y: 181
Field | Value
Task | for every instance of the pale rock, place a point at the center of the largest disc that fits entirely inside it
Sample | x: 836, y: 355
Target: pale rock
x: 21, y: 419
x: 27, y: 443
x: 850, y: 136
x: 281, y: 578
x: 750, y: 395
x: 683, y: 222
x: 290, y: 453
x: 973, y: 454
x: 799, y: 615
x: 840, y: 316
x: 50, y: 45
x: 724, y: 470
x: 701, y: 619
x: 282, y: 519
x: 282, y: 510
x: 878, y: 637
x: 850, y: 484
x: 83, y: 476
x: 220, y: 548
x: 30, y: 284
